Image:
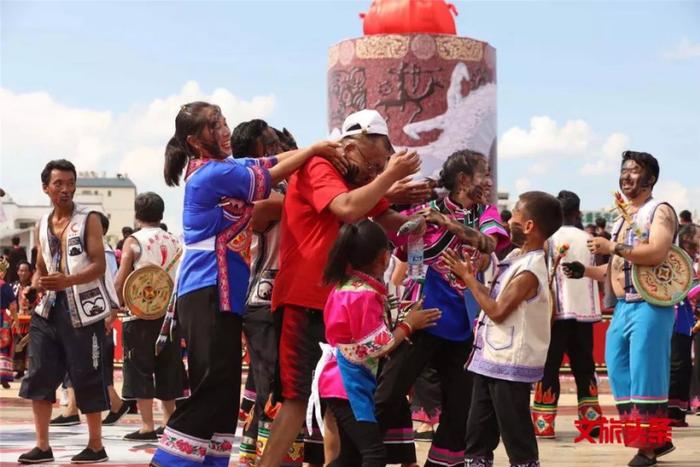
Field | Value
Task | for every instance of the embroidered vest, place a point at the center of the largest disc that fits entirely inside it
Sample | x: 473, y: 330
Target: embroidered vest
x: 643, y: 218
x: 88, y: 303
x: 515, y: 349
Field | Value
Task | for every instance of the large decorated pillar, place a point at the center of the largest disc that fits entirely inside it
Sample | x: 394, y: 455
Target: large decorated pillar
x: 437, y: 90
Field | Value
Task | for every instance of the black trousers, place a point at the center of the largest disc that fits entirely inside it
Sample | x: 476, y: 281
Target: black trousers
x: 574, y: 339
x: 360, y: 442
x: 425, y: 402
x: 681, y: 373
x: 500, y: 409
x: 397, y: 375
x: 262, y: 341
x: 213, y: 341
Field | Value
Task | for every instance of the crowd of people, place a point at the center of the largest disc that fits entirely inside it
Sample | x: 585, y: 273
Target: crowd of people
x: 366, y: 301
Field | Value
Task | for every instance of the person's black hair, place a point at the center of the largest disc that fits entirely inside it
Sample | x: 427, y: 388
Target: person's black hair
x: 6, y: 251
x: 190, y: 120
x: 464, y: 161
x: 149, y: 207
x: 15, y: 241
x: 164, y: 226
x: 600, y: 222
x: 570, y: 202
x: 286, y: 139
x: 506, y: 215
x: 687, y: 232
x: 685, y: 216
x: 544, y: 210
x: 127, y: 230
x: 29, y: 265
x: 62, y: 165
x: 646, y: 160
x: 104, y: 220
x: 357, y: 246
x: 245, y: 136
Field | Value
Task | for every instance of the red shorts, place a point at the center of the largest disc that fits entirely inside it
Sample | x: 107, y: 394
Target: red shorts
x: 299, y: 352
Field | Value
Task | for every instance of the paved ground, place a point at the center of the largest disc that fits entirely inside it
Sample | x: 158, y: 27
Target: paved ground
x: 17, y: 436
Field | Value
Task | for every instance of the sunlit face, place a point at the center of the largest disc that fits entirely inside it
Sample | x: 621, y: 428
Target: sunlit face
x: 214, y: 141
x: 61, y: 188
x: 634, y: 179
x: 520, y: 227
x: 24, y: 273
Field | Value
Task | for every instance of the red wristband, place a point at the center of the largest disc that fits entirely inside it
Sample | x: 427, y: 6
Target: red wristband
x: 406, y: 328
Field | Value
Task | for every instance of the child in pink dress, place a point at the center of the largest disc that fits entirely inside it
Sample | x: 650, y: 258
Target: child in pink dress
x: 358, y: 335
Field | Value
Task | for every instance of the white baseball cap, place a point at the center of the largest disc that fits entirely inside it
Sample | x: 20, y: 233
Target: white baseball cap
x: 366, y: 121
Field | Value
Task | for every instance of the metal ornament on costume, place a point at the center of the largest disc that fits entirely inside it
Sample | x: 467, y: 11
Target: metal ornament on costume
x: 147, y: 292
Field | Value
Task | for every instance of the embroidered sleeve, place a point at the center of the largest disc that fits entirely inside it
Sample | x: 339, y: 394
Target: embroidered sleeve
x: 264, y: 162
x: 369, y: 347
x: 490, y: 223
x: 240, y: 180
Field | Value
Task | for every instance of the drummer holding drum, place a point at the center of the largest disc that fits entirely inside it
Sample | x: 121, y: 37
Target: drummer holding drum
x: 144, y: 283
x: 647, y: 276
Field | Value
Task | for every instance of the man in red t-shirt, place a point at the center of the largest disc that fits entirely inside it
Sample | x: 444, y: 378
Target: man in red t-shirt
x: 319, y: 200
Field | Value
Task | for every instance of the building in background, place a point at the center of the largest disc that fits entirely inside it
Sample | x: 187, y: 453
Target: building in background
x: 116, y: 196
x: 113, y: 196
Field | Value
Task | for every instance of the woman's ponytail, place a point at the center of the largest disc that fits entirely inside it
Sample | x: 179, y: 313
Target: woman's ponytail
x: 336, y: 269
x: 190, y: 121
x: 175, y: 161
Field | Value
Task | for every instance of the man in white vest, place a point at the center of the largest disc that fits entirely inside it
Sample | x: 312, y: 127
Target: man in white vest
x: 148, y: 376
x: 576, y: 308
x: 69, y: 327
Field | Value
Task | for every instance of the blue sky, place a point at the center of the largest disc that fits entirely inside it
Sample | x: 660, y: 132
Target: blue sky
x: 96, y: 81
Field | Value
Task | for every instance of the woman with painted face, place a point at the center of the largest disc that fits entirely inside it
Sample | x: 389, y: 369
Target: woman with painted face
x: 214, y: 274
x: 464, y: 221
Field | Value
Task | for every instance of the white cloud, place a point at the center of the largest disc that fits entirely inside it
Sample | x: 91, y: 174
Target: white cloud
x: 678, y: 195
x: 608, y: 157
x: 35, y: 128
x: 684, y: 50
x: 522, y: 185
x: 546, y: 137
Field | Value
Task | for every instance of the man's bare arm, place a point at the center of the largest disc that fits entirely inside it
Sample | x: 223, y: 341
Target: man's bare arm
x: 266, y: 211
x: 661, y: 233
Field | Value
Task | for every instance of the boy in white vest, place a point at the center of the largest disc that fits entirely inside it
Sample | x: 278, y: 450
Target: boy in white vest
x: 147, y: 375
x: 512, y: 336
x: 576, y: 308
x: 69, y: 327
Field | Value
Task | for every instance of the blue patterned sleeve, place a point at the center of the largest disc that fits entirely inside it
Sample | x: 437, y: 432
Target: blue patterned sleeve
x: 241, y: 180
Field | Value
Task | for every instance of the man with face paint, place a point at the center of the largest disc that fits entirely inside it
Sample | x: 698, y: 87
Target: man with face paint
x: 576, y: 308
x: 464, y: 221
x: 638, y: 341
x: 318, y: 201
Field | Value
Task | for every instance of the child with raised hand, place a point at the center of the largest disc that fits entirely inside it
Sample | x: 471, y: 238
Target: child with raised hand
x: 512, y: 336
x: 358, y: 335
